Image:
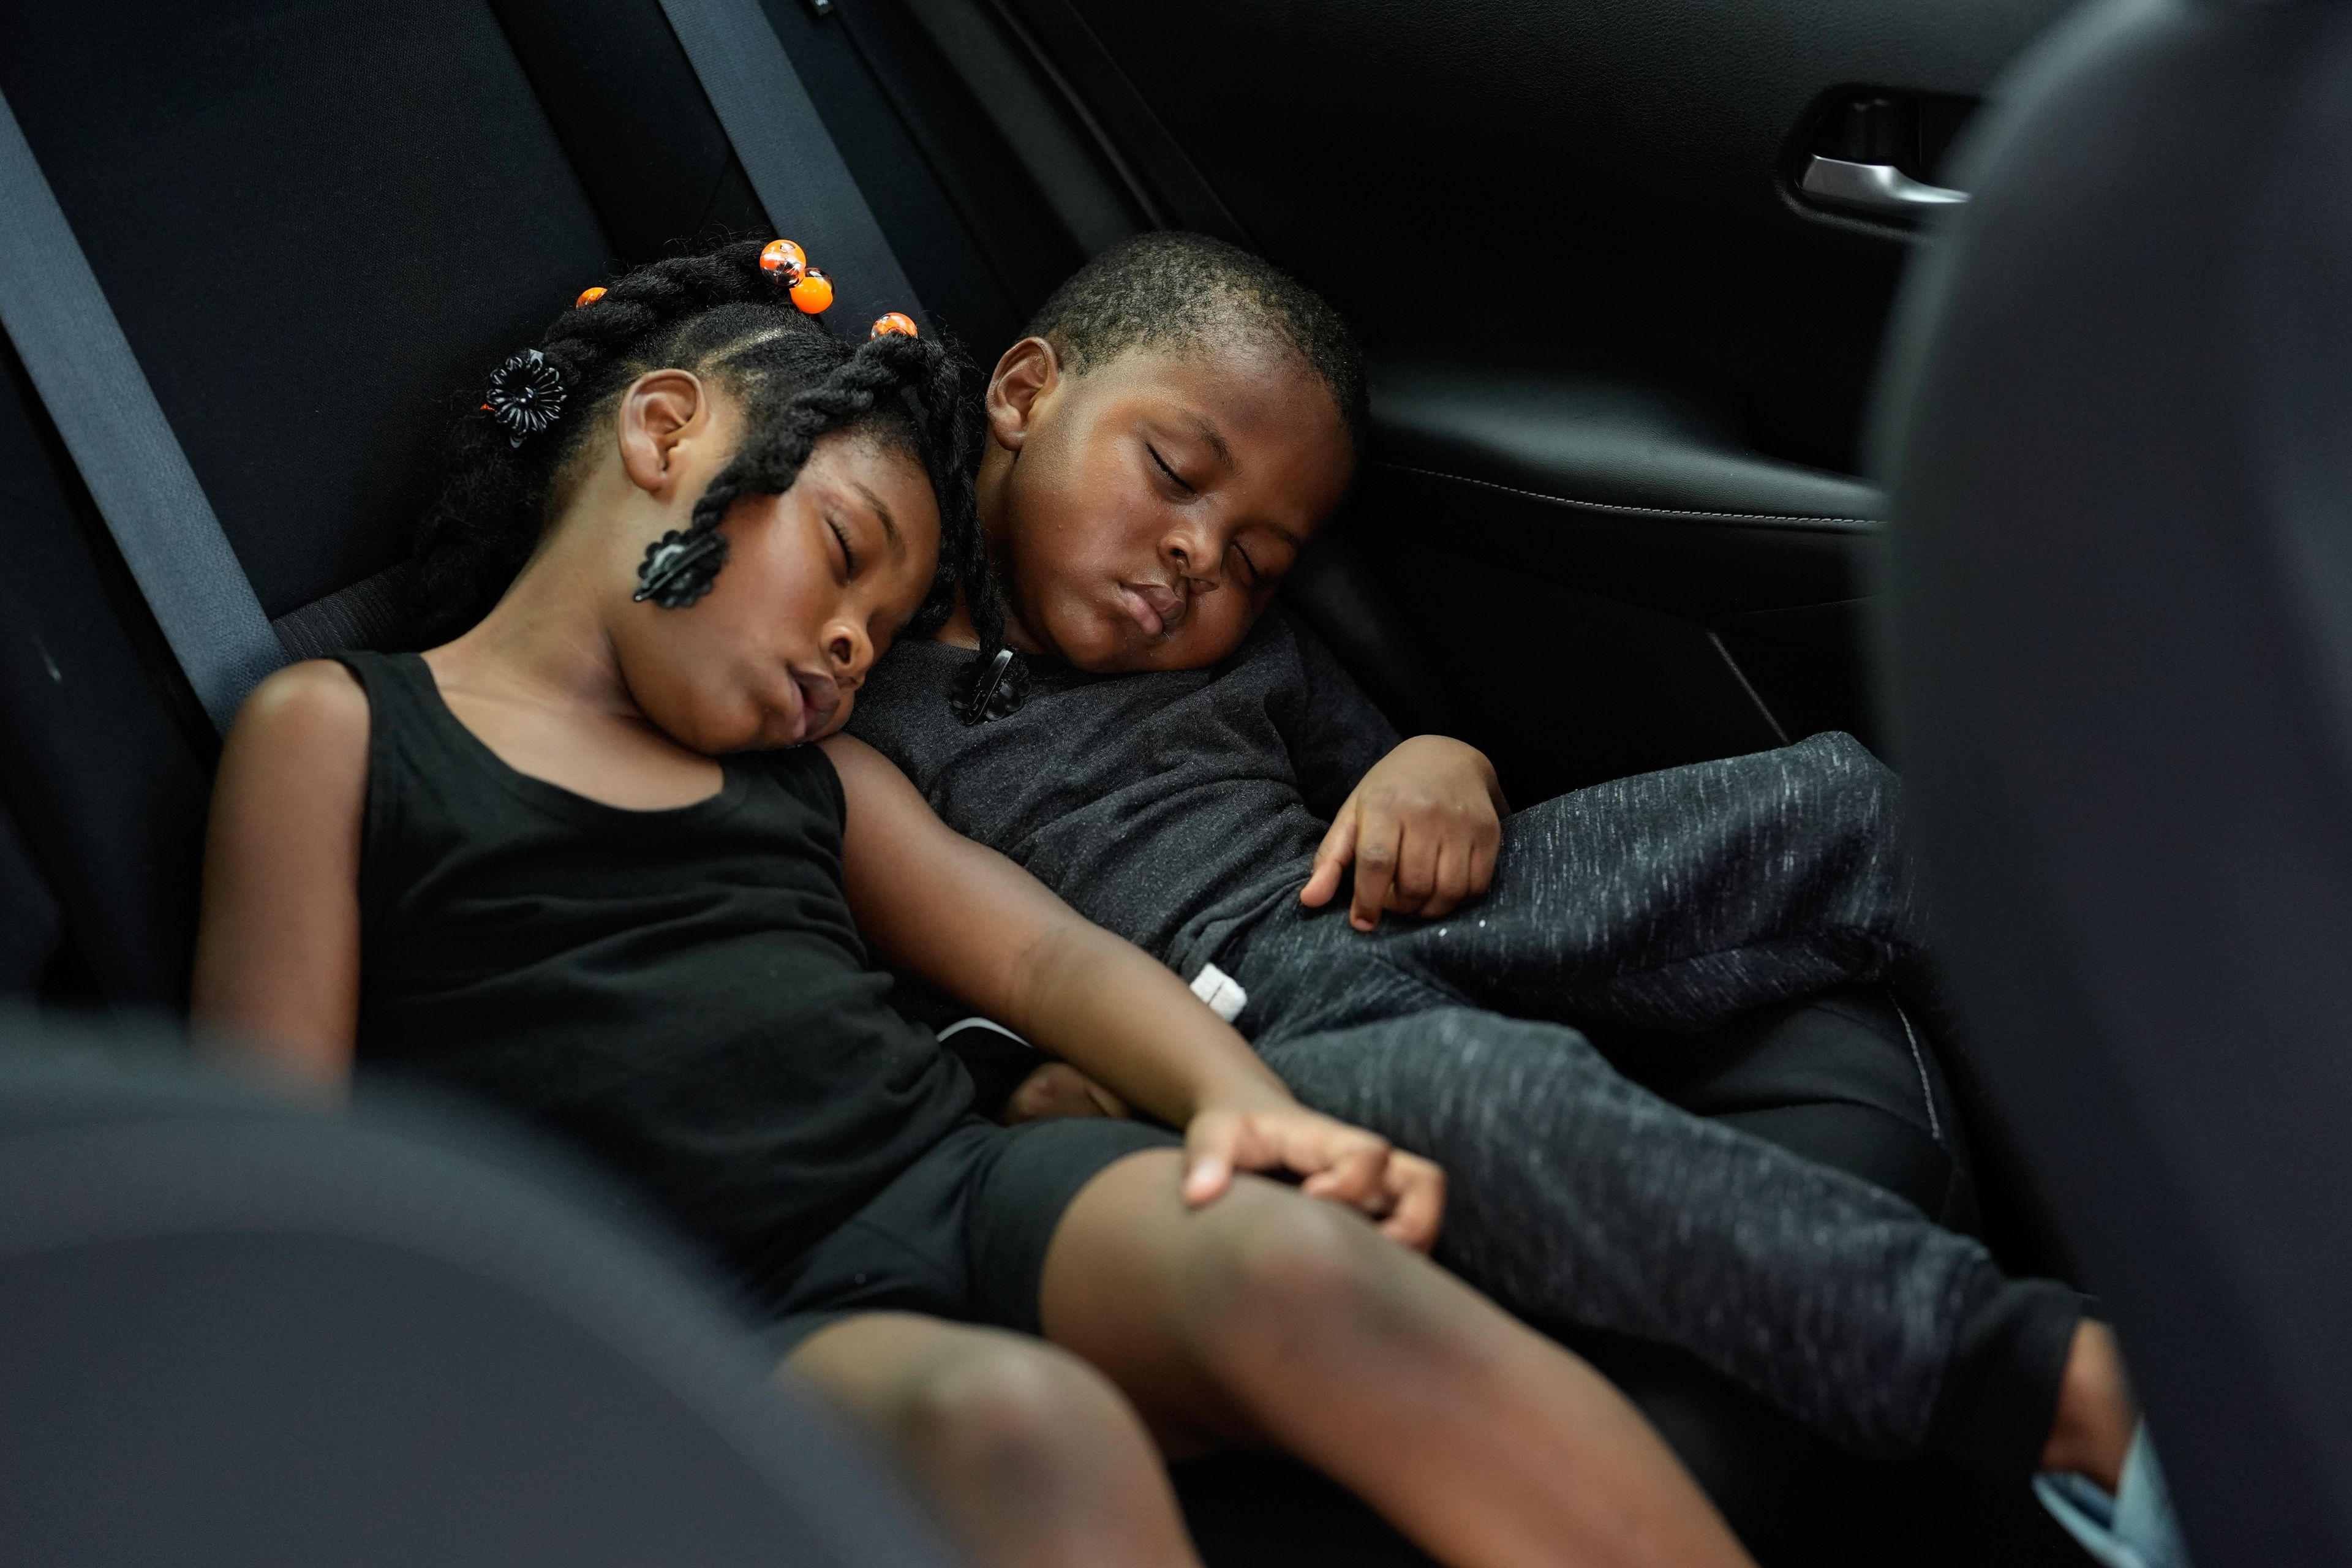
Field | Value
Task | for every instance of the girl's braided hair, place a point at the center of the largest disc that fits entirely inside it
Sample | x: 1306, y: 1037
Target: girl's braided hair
x: 719, y: 316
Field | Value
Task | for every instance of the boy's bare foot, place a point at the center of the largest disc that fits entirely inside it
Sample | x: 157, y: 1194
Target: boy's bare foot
x: 2095, y: 1419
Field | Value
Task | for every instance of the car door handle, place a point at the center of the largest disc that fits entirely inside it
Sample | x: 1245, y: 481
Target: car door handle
x: 1874, y: 187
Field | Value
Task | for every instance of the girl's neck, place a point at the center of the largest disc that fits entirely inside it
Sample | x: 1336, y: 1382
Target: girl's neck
x: 545, y: 642
x: 539, y: 683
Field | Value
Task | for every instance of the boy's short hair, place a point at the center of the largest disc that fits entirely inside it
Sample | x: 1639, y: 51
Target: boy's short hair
x: 1172, y: 290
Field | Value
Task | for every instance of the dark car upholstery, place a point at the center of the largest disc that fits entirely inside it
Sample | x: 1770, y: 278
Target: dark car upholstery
x: 2117, y: 443
x: 318, y: 223
x: 243, y: 1332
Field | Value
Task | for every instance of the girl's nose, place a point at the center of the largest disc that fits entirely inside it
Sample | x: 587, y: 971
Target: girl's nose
x: 848, y: 649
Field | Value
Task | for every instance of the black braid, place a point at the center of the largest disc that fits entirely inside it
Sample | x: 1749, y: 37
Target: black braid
x: 958, y: 427
x: 718, y: 315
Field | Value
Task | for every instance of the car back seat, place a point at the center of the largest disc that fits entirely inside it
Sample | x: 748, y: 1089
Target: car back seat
x: 318, y: 226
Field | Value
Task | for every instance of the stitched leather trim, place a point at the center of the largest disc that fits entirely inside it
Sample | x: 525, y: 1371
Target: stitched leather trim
x: 1927, y: 1089
x: 1603, y: 506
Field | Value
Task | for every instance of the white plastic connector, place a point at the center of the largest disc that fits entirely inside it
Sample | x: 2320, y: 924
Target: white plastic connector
x: 1221, y: 991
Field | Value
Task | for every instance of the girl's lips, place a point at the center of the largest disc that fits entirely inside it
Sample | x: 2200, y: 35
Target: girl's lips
x: 818, y: 697
x: 809, y: 701
x: 796, y: 706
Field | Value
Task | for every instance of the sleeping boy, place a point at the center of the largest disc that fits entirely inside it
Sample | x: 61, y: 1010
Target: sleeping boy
x: 1116, y: 709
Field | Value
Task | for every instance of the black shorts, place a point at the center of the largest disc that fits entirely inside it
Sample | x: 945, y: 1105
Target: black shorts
x: 960, y: 1233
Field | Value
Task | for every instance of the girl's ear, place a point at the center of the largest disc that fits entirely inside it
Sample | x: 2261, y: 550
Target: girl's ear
x: 660, y: 410
x: 1029, y: 369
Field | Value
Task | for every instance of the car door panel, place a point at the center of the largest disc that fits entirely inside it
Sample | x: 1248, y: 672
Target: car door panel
x: 1602, y: 184
x: 1618, y: 357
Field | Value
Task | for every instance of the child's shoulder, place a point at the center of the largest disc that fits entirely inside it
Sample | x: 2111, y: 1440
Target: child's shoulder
x: 1275, y: 636
x: 315, y: 709
x: 294, y: 770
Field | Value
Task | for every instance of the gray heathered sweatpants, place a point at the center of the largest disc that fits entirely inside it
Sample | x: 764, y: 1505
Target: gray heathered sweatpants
x: 1671, y: 901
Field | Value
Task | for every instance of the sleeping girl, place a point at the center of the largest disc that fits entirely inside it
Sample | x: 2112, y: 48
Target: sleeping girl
x: 591, y: 856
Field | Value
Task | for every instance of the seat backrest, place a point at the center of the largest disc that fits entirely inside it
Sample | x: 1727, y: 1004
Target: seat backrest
x: 318, y: 227
x: 239, y: 1333
x: 2120, y: 630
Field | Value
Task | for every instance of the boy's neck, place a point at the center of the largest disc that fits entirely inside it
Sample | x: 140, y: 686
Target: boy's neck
x: 958, y: 630
x: 989, y: 502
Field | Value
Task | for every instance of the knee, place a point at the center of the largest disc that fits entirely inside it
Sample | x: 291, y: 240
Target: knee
x: 1859, y: 799
x: 1294, y: 1276
x: 1866, y: 790
x: 1014, y: 1413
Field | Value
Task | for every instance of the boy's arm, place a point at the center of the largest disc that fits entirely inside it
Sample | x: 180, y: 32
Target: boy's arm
x: 278, y: 935
x: 968, y: 919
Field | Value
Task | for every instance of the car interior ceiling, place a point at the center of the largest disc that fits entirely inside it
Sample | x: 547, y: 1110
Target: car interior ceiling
x: 1621, y: 362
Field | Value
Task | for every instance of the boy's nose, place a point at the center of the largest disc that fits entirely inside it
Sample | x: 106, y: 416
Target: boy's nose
x: 1196, y: 559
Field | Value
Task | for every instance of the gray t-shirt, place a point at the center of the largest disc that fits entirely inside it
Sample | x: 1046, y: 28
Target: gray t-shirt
x: 1169, y: 808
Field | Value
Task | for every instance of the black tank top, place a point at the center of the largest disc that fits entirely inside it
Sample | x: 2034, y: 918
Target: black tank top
x: 682, y: 991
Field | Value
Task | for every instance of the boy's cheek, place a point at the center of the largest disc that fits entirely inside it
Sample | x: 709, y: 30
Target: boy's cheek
x: 1219, y: 624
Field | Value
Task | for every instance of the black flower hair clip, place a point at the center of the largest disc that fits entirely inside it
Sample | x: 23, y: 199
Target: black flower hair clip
x: 979, y: 694
x: 679, y: 568
x: 525, y: 395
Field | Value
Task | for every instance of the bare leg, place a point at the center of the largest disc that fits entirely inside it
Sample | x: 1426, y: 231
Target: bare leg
x: 1270, y: 1317
x: 1031, y: 1456
x: 2093, y: 1430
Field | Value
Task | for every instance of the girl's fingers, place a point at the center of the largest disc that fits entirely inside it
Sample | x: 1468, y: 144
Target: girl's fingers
x: 1212, y: 1145
x: 1356, y: 1176
x: 1331, y: 857
x: 1416, y: 1188
x: 1376, y: 862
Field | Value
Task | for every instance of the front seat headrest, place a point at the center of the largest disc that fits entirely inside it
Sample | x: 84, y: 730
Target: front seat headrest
x: 231, y: 1332
x: 2117, y: 430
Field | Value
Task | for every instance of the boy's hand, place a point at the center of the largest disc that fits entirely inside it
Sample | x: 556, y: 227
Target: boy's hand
x: 1422, y: 829
x: 1404, y: 1192
x: 1057, y: 1088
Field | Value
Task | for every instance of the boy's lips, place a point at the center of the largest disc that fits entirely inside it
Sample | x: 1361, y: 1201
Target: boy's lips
x: 1154, y: 606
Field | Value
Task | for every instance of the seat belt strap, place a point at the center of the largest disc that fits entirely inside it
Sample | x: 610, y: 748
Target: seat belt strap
x: 791, y: 159
x: 81, y: 364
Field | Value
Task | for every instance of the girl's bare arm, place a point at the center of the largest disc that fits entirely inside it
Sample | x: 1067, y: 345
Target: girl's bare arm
x: 277, y: 939
x: 964, y: 918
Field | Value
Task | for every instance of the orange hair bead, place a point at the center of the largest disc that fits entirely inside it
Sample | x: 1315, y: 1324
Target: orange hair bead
x: 814, y: 292
x: 589, y: 296
x: 898, y: 324
x: 783, y: 262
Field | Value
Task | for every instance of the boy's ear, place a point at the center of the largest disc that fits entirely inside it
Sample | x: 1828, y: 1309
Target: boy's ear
x: 1029, y: 369
x: 660, y: 410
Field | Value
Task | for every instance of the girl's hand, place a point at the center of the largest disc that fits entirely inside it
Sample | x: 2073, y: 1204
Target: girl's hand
x: 1057, y: 1088
x: 1404, y: 1192
x: 1422, y: 829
